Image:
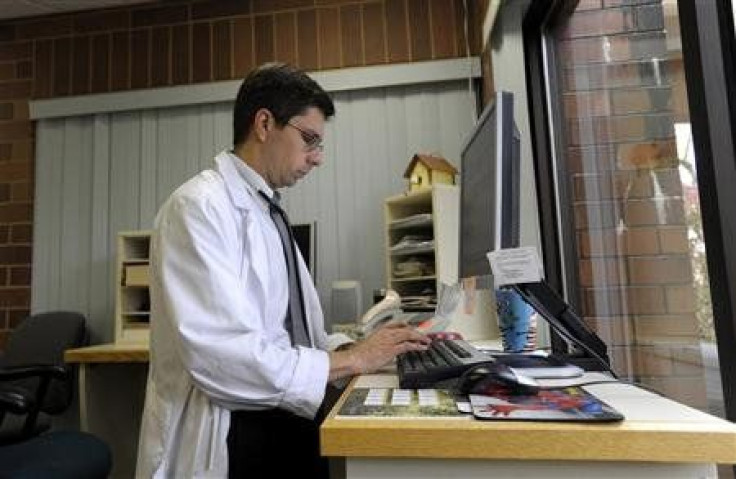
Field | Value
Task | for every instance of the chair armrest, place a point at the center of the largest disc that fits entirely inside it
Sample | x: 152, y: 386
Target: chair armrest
x: 30, y: 371
x: 14, y: 402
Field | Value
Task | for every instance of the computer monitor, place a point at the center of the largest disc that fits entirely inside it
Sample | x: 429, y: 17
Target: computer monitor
x: 490, y: 181
x: 305, y: 235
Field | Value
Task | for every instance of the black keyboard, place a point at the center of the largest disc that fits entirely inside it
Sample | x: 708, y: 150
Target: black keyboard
x: 445, y: 359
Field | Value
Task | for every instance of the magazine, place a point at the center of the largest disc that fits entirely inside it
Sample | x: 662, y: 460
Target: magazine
x: 560, y: 404
x: 395, y: 403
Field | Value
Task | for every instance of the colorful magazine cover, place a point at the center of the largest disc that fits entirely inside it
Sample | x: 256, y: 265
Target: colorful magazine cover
x: 562, y: 404
x: 382, y: 402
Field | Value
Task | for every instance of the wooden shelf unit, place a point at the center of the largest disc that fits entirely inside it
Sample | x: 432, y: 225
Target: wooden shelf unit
x: 132, y: 301
x: 431, y: 213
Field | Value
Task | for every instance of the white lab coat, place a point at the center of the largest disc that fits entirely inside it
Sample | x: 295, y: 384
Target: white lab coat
x: 218, y: 299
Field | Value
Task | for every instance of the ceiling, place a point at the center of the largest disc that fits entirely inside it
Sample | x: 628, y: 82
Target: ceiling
x: 34, y: 8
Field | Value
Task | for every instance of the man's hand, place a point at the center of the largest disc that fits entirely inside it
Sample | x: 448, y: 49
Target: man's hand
x: 377, y: 350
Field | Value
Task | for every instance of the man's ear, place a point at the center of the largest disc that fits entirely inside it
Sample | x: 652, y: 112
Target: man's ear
x: 262, y: 124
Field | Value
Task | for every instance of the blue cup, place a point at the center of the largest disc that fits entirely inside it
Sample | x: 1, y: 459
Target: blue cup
x: 514, y: 318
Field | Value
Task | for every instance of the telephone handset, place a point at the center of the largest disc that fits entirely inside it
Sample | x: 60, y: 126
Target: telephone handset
x: 381, y: 312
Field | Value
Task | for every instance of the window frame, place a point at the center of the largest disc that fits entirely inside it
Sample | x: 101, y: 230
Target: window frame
x: 709, y: 54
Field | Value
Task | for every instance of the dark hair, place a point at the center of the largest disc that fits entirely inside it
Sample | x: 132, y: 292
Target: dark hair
x: 281, y: 89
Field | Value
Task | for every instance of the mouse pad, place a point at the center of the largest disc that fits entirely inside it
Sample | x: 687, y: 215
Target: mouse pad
x: 561, y: 404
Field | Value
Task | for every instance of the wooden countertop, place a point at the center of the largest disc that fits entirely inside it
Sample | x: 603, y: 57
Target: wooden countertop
x: 108, y: 353
x: 656, y: 429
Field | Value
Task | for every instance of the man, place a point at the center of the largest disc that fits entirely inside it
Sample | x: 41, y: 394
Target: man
x: 239, y: 356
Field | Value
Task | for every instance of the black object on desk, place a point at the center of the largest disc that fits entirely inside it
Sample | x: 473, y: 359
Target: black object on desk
x: 445, y: 359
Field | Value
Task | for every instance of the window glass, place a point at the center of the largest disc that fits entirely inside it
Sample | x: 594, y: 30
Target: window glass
x: 625, y: 163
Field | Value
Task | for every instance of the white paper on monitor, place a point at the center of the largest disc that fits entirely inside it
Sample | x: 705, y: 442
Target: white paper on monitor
x: 515, y: 265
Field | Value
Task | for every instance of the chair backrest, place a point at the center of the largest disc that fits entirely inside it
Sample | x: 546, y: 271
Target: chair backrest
x: 41, y: 339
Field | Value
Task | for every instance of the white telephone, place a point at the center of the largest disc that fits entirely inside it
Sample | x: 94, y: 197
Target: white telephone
x: 381, y: 312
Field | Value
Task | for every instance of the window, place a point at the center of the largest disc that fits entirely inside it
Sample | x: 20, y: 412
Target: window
x: 621, y: 215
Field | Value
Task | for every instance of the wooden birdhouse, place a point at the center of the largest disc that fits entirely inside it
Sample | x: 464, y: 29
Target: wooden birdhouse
x: 425, y: 170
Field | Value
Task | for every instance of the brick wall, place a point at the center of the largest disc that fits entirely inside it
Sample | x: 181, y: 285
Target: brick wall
x: 181, y: 43
x: 619, y: 83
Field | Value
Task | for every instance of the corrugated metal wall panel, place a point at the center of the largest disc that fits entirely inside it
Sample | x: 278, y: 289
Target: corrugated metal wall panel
x: 98, y: 175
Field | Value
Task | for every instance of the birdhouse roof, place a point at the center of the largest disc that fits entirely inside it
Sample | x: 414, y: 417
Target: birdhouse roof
x: 432, y: 163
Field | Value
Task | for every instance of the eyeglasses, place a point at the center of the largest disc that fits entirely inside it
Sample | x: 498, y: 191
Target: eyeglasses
x: 312, y: 141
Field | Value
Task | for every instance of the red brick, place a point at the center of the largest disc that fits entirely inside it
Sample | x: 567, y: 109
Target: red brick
x: 586, y: 104
x: 7, y: 71
x: 15, y: 255
x: 653, y: 361
x: 632, y: 185
x: 660, y: 270
x: 20, y: 276
x: 15, y: 170
x: 6, y: 111
x: 24, y: 70
x: 16, y: 130
x: 7, y: 32
x: 21, y: 233
x: 674, y: 240
x: 636, y: 300
x: 16, y: 316
x: 374, y: 35
x: 10, y: 52
x: 6, y: 150
x: 588, y: 5
x: 220, y: 8
x: 596, y: 23
x: 351, y: 41
x: 592, y: 187
x: 680, y: 299
x: 15, y: 89
x: 595, y: 215
x: 646, y: 155
x: 614, y: 331
x: 665, y: 328
x: 640, y: 241
x: 21, y: 191
x: 15, y: 212
x: 602, y: 272
x: 147, y: 17
x: 15, y: 297
x: 667, y: 211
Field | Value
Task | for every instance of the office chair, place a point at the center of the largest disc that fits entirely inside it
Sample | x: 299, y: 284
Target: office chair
x: 57, y: 454
x: 33, y: 376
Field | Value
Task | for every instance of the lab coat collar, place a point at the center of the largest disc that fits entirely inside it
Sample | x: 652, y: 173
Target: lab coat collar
x: 241, y: 190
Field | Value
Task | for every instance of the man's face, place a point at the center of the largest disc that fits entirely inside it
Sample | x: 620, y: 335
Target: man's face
x: 294, y: 149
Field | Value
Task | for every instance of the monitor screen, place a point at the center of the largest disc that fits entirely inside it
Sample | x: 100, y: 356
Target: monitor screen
x: 305, y: 235
x: 489, y: 187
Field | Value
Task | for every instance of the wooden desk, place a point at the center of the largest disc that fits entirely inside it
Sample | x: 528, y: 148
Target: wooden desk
x: 103, y: 353
x: 659, y: 438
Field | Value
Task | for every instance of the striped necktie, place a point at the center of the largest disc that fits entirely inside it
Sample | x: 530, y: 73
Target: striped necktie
x: 296, y: 320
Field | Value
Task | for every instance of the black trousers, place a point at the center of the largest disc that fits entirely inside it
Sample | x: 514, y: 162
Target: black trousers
x: 275, y: 443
